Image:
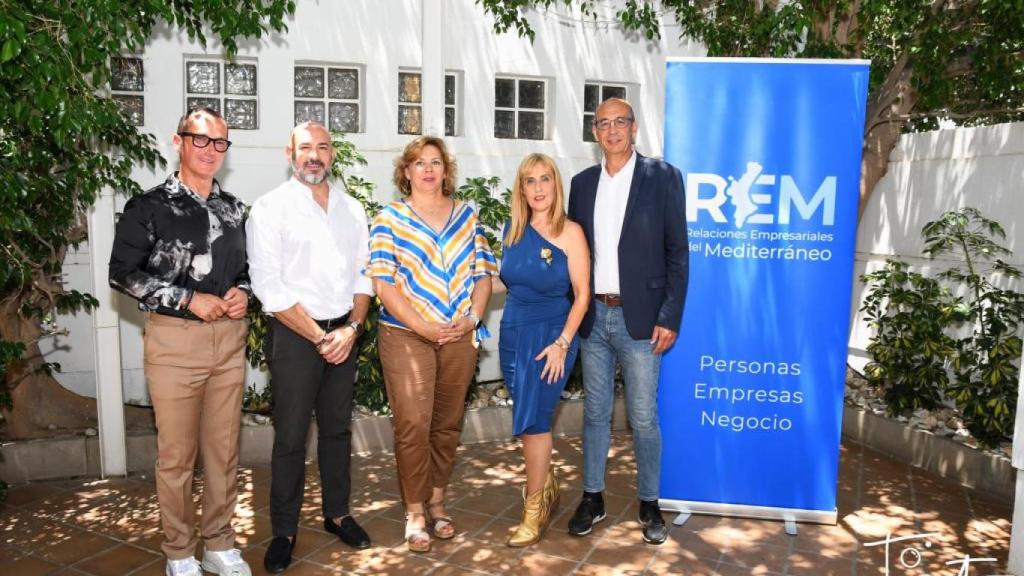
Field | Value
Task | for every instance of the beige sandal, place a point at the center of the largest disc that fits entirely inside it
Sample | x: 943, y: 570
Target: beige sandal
x: 416, y: 538
x: 441, y: 527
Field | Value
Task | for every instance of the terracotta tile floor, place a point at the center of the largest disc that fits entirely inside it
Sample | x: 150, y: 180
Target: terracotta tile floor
x: 102, y: 527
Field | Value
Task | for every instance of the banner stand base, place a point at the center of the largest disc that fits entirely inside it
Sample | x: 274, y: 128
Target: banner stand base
x: 791, y: 527
x: 790, y: 516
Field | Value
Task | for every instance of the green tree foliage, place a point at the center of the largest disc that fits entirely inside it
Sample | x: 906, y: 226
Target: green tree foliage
x: 930, y: 59
x: 62, y: 141
x: 910, y: 315
x: 986, y: 362
x: 954, y: 336
x: 492, y: 210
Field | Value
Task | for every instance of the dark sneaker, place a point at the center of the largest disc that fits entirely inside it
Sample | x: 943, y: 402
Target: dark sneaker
x: 349, y: 532
x: 589, y: 512
x: 655, y: 531
x: 279, y: 554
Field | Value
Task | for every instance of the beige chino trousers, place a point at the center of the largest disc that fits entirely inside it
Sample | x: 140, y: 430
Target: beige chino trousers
x: 196, y: 376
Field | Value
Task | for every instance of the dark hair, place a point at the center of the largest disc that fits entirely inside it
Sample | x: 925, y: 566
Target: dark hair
x: 195, y: 113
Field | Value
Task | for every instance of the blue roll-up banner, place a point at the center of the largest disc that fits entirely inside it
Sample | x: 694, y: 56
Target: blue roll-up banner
x: 751, y: 395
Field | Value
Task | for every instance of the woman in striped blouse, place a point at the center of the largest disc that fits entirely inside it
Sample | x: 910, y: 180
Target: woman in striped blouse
x: 431, y: 267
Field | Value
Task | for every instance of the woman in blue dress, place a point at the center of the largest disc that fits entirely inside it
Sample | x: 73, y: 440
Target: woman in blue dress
x: 546, y: 268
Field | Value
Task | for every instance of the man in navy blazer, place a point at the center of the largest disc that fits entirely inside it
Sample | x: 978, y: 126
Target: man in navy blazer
x: 632, y: 210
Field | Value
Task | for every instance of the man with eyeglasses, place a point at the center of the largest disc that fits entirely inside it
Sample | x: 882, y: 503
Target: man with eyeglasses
x: 179, y: 249
x: 632, y: 211
x: 308, y: 242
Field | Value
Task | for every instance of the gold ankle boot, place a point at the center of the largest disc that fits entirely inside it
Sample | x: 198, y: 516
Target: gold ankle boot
x: 535, y: 519
x: 552, y: 491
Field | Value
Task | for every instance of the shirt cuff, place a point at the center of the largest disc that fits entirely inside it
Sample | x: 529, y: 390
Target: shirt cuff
x: 173, y: 297
x: 363, y: 285
x: 277, y: 303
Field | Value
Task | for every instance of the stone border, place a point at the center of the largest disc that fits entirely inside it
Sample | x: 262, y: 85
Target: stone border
x: 77, y: 456
x: 984, y: 471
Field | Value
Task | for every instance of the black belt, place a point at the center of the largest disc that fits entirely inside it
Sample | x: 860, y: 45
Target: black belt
x: 333, y: 323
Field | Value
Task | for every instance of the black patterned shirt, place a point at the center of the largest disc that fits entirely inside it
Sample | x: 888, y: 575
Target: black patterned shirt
x: 170, y: 242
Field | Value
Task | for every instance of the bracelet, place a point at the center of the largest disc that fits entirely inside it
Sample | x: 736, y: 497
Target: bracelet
x: 562, y: 343
x: 356, y: 327
x: 474, y: 318
x: 322, y: 340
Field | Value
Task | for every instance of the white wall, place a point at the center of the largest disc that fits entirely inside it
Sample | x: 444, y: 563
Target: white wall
x: 929, y: 174
x: 383, y: 36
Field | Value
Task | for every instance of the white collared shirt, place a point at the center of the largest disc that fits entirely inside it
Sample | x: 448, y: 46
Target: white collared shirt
x: 609, y: 212
x: 300, y: 254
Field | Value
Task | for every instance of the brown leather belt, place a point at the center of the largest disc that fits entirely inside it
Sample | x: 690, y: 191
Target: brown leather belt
x: 613, y: 300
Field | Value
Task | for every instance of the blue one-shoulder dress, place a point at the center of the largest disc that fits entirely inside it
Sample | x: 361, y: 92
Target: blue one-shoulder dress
x: 536, y: 273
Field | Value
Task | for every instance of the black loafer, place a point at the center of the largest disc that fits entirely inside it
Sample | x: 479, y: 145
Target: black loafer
x: 279, y: 554
x: 349, y: 532
x: 589, y: 512
x: 655, y: 531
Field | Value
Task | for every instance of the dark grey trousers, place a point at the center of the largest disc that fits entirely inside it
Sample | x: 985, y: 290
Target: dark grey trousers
x: 303, y: 383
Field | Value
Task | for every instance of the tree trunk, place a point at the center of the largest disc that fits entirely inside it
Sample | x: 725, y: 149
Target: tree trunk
x: 883, y: 127
x: 874, y: 164
x: 41, y: 406
x: 41, y: 402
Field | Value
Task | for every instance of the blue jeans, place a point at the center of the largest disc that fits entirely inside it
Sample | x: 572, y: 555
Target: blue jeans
x: 610, y: 342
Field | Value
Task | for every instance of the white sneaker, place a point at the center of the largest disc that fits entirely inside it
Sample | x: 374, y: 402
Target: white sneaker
x: 184, y: 567
x: 226, y: 563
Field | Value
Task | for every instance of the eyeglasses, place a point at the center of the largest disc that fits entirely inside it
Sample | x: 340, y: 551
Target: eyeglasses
x: 202, y: 141
x: 606, y: 123
x: 435, y: 164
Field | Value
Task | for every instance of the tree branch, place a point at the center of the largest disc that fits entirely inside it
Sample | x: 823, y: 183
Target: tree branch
x: 902, y: 118
x: 850, y: 25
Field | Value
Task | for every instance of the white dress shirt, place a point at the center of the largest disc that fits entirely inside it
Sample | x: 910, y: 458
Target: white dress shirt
x: 300, y: 254
x: 609, y: 212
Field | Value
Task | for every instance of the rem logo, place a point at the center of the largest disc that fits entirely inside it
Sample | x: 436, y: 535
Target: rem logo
x: 757, y: 207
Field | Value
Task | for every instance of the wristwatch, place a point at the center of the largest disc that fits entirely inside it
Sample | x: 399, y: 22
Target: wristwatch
x: 356, y: 326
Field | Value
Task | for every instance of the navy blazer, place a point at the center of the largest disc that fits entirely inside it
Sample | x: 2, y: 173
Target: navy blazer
x: 653, y: 248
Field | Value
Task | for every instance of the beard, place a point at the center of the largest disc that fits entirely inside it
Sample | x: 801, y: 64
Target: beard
x: 308, y: 176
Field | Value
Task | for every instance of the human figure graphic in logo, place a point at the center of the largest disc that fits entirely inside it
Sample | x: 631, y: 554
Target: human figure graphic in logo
x: 739, y: 193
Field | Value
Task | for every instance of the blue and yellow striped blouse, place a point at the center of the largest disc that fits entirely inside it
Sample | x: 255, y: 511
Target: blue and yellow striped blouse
x: 434, y: 271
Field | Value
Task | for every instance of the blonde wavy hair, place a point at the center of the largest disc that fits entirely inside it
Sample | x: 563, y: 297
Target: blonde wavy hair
x: 520, y: 207
x: 412, y: 153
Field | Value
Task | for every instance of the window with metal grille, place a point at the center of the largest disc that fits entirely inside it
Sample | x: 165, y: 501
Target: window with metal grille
x: 593, y: 94
x: 227, y: 87
x: 520, y: 108
x: 330, y: 95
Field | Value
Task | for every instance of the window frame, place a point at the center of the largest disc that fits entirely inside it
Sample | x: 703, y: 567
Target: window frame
x: 117, y: 94
x: 455, y: 106
x: 222, y: 96
x: 547, y: 85
x: 588, y: 115
x: 326, y: 100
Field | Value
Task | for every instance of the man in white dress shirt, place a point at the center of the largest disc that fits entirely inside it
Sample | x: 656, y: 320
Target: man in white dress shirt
x: 307, y: 242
